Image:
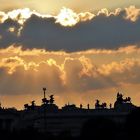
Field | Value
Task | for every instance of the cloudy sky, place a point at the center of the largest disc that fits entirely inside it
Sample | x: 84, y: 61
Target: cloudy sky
x: 79, y: 50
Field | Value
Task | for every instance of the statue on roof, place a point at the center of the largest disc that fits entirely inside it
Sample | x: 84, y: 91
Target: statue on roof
x: 123, y: 103
x: 30, y: 107
x: 88, y: 106
x: 101, y: 106
x: 127, y: 100
x: 81, y: 106
x: 121, y: 100
x: 45, y: 101
x: 51, y: 99
x: 119, y: 97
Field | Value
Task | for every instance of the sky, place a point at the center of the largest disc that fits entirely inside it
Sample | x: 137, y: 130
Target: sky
x: 79, y: 50
x: 53, y: 6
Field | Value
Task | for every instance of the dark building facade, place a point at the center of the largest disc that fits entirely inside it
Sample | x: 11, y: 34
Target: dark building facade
x: 48, y: 117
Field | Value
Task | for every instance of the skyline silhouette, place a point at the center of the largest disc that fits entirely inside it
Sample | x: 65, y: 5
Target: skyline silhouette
x: 70, y: 69
x: 71, y: 122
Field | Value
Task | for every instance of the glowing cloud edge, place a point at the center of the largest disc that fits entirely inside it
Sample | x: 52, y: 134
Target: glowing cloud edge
x: 67, y: 17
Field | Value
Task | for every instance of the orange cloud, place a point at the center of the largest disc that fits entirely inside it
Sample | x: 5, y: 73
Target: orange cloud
x: 132, y: 13
x: 14, y: 57
x: 20, y: 15
x: 12, y: 63
x: 119, y: 67
x: 67, y: 17
x: 68, y: 74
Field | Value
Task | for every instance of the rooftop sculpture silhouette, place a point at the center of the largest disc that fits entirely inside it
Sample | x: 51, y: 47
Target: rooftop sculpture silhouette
x: 98, y: 105
x: 49, y: 117
x: 121, y: 100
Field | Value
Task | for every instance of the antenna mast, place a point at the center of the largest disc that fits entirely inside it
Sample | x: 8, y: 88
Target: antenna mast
x: 44, y: 89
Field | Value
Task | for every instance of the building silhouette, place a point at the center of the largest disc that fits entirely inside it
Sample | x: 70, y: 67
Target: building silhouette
x: 47, y: 117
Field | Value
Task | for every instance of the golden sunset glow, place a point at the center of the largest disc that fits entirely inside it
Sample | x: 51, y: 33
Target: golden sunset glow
x: 58, y: 68
x: 20, y: 15
x: 79, y: 50
x: 67, y: 17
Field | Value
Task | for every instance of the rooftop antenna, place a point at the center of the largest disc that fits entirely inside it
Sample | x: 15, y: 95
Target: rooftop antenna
x: 45, y: 121
x: 44, y: 89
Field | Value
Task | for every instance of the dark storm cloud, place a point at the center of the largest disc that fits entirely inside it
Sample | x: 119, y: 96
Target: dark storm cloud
x: 101, y: 32
x: 8, y: 37
x: 109, y: 32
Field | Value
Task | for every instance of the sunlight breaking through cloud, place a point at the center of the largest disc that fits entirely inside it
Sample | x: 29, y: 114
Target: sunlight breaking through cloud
x: 72, y: 73
x: 72, y: 53
x: 67, y: 17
